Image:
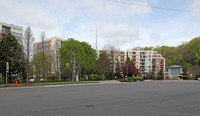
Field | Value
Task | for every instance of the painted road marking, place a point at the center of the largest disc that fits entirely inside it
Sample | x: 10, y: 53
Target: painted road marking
x: 23, y: 94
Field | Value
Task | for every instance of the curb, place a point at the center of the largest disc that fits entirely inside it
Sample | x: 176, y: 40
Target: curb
x: 60, y: 85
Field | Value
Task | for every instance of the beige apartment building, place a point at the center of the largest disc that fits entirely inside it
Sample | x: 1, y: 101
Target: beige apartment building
x: 51, y: 48
x: 16, y: 31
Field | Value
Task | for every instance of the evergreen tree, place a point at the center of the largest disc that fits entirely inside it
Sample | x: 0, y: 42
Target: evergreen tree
x: 12, y: 52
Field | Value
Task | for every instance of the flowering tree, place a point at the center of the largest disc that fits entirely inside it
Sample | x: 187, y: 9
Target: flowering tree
x: 129, y: 68
x: 131, y: 71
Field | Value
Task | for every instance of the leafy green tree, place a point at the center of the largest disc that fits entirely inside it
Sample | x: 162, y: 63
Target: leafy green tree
x: 194, y: 50
x: 147, y: 48
x: 150, y: 75
x: 38, y: 65
x: 12, y: 52
x: 88, y: 59
x: 77, y: 56
x: 168, y: 53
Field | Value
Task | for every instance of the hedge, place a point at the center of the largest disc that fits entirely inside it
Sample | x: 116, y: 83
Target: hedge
x: 131, y: 79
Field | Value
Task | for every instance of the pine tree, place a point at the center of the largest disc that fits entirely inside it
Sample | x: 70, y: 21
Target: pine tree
x: 12, y: 52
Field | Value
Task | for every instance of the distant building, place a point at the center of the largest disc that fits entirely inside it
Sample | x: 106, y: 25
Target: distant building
x: 16, y: 31
x: 51, y: 49
x: 175, y: 71
x: 144, y: 60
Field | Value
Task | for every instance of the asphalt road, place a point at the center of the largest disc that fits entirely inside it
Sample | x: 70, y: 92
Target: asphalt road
x: 156, y: 98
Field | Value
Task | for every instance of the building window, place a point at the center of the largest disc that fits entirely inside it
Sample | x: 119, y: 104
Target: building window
x: 18, y: 38
x: 17, y: 31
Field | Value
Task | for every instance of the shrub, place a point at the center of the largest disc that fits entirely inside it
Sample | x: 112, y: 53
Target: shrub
x: 132, y: 79
x: 145, y: 78
x: 51, y: 76
x: 95, y: 77
x: 160, y: 78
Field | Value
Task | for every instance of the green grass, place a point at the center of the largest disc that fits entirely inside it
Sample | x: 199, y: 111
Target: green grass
x: 47, y: 83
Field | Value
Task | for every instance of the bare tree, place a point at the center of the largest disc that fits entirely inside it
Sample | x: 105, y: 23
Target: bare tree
x: 55, y: 63
x: 42, y: 37
x: 28, y: 48
x: 113, y: 55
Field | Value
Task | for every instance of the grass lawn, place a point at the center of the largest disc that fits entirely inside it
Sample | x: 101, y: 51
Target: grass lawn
x: 47, y: 83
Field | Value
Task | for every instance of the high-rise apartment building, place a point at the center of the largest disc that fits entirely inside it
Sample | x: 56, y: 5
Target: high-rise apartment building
x: 16, y: 31
x: 144, y: 60
x: 51, y: 48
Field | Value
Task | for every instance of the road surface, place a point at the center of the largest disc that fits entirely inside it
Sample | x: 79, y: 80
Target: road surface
x: 153, y: 98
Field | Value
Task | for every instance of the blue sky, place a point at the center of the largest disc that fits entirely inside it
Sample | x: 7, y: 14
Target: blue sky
x: 124, y: 26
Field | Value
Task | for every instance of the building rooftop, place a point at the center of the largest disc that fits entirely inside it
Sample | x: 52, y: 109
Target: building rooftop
x: 58, y: 38
x: 175, y: 66
x: 10, y: 25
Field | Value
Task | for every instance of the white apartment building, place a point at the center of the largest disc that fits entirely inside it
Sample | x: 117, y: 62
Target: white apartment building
x: 144, y: 60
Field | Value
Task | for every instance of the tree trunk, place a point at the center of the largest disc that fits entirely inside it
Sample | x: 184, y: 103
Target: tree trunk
x: 73, y: 75
x: 10, y: 77
x: 86, y: 76
x: 27, y: 76
x: 77, y: 79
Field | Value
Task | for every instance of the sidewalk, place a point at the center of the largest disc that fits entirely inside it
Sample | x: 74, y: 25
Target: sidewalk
x: 109, y: 82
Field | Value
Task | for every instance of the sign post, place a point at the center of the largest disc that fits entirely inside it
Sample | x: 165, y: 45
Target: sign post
x: 7, y: 68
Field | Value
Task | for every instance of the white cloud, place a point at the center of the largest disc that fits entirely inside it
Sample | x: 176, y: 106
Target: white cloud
x: 29, y: 14
x: 77, y: 18
x: 154, y: 36
x: 120, y: 34
x: 196, y: 7
x: 109, y: 10
x: 154, y: 1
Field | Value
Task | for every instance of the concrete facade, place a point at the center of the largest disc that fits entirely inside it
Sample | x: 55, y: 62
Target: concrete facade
x: 16, y: 31
x: 144, y: 60
x: 51, y: 49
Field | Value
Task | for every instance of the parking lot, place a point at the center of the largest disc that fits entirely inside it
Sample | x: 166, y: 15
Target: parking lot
x: 152, y: 98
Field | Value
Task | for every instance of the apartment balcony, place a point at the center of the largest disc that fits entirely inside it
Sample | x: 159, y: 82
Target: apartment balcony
x: 5, y: 31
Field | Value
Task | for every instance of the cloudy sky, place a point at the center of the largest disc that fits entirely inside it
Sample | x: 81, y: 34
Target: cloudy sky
x: 122, y: 25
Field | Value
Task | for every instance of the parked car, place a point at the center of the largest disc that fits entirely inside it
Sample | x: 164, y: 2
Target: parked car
x: 31, y: 80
